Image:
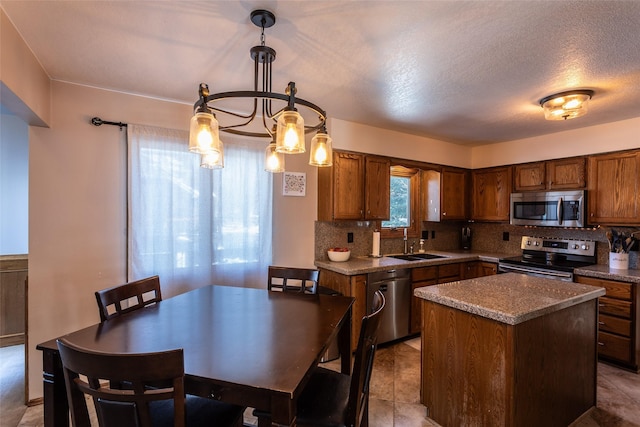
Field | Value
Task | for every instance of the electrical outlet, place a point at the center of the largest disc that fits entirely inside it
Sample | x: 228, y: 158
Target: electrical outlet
x: 425, y: 234
x: 505, y: 236
x: 433, y: 234
x: 350, y: 237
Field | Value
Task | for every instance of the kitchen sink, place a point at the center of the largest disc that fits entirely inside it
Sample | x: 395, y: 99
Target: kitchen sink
x: 416, y: 257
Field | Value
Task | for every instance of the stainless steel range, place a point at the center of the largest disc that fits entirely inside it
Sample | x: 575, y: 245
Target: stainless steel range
x: 550, y: 258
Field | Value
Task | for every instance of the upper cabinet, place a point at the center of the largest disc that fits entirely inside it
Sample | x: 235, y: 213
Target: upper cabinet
x: 491, y: 190
x: 614, y: 188
x: 356, y: 187
x: 444, y: 194
x: 561, y: 174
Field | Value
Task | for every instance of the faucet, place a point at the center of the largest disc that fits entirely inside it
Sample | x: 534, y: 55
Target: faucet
x: 405, y: 242
x: 411, y: 247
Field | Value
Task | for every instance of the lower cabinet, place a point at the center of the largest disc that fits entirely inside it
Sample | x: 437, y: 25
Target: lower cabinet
x: 618, y: 332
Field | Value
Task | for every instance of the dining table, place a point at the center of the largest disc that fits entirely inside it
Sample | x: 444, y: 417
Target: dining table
x: 245, y: 346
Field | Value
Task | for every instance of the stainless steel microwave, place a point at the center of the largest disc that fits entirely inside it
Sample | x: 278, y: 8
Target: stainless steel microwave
x: 549, y: 208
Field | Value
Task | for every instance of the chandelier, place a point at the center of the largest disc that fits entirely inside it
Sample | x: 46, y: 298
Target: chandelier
x: 566, y: 105
x: 281, y: 121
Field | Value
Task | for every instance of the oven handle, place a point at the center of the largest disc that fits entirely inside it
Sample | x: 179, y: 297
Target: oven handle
x: 560, y: 212
x: 507, y: 268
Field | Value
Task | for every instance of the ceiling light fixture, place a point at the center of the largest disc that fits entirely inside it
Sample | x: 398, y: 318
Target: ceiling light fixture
x: 566, y: 105
x: 288, y: 133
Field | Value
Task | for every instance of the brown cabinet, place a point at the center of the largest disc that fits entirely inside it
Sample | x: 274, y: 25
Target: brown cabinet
x: 377, y: 180
x: 491, y: 190
x: 443, y: 194
x: 453, y: 197
x: 356, y: 187
x: 475, y: 269
x: 427, y: 276
x: 618, y: 332
x: 13, y: 284
x: 614, y: 188
x: 352, y: 286
x: 560, y: 174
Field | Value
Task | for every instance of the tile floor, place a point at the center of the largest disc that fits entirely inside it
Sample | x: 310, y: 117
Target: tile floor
x: 395, y: 394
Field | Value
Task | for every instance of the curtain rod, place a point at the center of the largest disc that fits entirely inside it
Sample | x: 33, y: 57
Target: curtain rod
x: 97, y: 121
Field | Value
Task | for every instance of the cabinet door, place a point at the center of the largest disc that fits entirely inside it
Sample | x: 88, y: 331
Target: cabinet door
x: 348, y: 176
x: 377, y: 187
x: 529, y: 176
x: 566, y: 174
x: 454, y: 195
x: 488, y: 268
x: 415, y: 315
x: 614, y: 188
x: 491, y: 193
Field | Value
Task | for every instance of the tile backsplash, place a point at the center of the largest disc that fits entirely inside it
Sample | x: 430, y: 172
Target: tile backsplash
x: 486, y: 237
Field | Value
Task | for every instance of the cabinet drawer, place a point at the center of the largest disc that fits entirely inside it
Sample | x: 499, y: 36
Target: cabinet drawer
x: 614, y: 346
x: 448, y: 272
x: 614, y: 325
x: 615, y: 307
x: 618, y: 290
x: 424, y: 273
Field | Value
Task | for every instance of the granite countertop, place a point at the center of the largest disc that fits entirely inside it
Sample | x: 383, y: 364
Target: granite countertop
x: 509, y: 298
x: 601, y: 271
x: 364, y: 264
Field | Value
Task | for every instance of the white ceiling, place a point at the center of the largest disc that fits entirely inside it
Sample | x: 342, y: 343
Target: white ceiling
x: 469, y: 72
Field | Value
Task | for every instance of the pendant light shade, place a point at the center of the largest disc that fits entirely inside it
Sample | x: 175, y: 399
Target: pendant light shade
x: 566, y: 105
x: 213, y: 159
x: 321, y: 154
x: 273, y: 161
x: 290, y: 133
x: 203, y: 133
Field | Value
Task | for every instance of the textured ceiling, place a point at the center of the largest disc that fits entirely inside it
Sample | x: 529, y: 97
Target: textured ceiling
x: 469, y: 72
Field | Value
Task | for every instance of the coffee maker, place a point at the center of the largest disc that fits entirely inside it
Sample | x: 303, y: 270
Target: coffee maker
x: 465, y: 238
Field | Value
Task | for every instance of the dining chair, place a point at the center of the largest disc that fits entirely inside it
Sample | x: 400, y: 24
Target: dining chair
x: 289, y: 279
x: 332, y: 399
x: 89, y: 373
x: 131, y: 296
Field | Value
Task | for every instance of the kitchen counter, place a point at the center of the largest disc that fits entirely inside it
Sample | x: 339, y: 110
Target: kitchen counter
x: 508, y: 350
x: 364, y: 264
x: 604, y: 272
x: 509, y: 298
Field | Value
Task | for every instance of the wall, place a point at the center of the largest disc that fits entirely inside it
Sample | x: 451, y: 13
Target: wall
x: 615, y: 136
x: 14, y: 185
x: 24, y: 85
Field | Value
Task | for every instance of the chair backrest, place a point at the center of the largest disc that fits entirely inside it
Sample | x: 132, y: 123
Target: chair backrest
x: 302, y: 280
x: 363, y: 362
x: 91, y: 373
x: 137, y: 294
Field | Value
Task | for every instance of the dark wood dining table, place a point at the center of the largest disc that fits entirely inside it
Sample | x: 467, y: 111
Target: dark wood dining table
x: 249, y: 347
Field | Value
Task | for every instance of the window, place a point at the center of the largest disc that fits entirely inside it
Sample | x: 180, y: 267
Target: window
x: 403, y: 203
x: 195, y: 226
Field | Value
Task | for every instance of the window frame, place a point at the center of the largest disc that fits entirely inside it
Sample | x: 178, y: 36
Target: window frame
x: 413, y: 230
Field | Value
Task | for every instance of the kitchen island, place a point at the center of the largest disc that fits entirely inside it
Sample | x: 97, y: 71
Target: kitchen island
x: 508, y: 350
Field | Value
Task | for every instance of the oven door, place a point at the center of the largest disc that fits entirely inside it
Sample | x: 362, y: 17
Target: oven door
x: 537, y: 272
x: 549, y: 208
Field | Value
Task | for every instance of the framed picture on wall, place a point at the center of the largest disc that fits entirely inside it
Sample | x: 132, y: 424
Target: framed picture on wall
x: 294, y: 183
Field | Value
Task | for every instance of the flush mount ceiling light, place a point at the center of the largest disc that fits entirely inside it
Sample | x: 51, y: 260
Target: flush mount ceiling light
x: 566, y: 105
x: 275, y: 108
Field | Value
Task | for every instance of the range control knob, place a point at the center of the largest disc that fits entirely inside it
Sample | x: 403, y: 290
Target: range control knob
x: 576, y: 246
x: 537, y: 243
x: 528, y: 242
x: 585, y: 247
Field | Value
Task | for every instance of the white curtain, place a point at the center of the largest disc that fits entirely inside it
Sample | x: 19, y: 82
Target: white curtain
x: 195, y: 226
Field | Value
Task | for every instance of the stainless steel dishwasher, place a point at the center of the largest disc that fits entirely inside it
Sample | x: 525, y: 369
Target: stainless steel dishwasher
x: 396, y: 286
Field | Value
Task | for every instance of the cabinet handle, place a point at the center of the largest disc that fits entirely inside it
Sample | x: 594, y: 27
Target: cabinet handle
x: 444, y: 214
x: 601, y: 344
x: 601, y: 323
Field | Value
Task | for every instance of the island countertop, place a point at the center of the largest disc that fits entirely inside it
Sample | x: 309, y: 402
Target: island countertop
x: 509, y: 298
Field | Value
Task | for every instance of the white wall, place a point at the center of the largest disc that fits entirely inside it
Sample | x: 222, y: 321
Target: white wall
x: 615, y: 136
x: 367, y: 139
x: 14, y: 185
